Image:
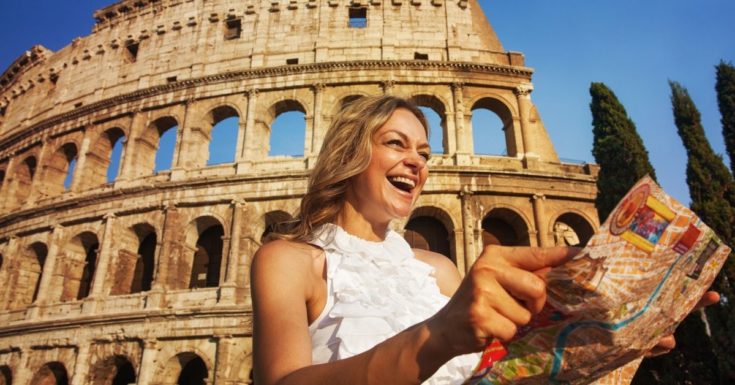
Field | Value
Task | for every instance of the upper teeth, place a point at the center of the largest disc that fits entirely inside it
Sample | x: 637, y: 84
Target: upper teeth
x: 402, y: 179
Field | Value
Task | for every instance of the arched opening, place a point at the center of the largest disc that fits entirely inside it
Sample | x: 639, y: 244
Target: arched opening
x: 81, y: 255
x: 145, y: 259
x: 104, y: 157
x: 6, y: 375
x: 572, y: 229
x: 194, y: 372
x: 2, y: 179
x: 24, y: 174
x: 492, y: 128
x: 223, y: 138
x: 274, y: 220
x: 288, y: 129
x: 53, y: 373
x: 30, y: 274
x: 59, y: 170
x: 207, y: 260
x: 166, y: 148
x: 115, y: 370
x: 504, y: 227
x: 436, y: 116
x: 155, y: 148
x: 428, y: 233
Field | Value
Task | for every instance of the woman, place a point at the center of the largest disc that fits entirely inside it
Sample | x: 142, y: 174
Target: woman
x: 341, y: 299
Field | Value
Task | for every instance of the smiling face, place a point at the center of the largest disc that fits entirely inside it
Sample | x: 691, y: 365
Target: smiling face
x: 397, y: 171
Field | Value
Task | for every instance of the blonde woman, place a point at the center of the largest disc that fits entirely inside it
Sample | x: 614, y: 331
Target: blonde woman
x: 341, y: 299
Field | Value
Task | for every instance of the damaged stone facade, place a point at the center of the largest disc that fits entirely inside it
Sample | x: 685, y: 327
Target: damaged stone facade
x: 145, y: 278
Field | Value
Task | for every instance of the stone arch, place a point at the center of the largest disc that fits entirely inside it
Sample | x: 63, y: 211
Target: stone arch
x: 113, y: 370
x: 52, y: 373
x: 58, y: 170
x: 197, y: 369
x: 431, y: 228
x: 505, y: 226
x: 28, y: 277
x: 6, y: 375
x: 572, y: 229
x: 135, y: 264
x: 23, y: 177
x: 502, y: 111
x: 223, y: 123
x: 79, y: 265
x: 283, y: 127
x: 271, y: 222
x: 205, y: 238
x: 147, y: 149
x: 104, y: 159
x: 438, y: 106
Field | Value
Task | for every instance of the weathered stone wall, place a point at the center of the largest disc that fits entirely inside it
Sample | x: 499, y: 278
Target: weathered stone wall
x: 115, y: 277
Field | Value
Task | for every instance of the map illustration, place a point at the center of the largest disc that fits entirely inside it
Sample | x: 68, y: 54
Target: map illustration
x: 635, y: 281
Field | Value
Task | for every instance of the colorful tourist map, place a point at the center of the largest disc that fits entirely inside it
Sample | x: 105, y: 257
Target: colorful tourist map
x: 635, y: 280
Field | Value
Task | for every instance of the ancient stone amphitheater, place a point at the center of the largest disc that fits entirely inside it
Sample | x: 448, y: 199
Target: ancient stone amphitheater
x: 113, y: 273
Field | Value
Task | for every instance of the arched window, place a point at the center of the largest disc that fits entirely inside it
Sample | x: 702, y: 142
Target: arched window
x: 59, y: 170
x: 436, y: 116
x: 81, y: 253
x: 193, y: 372
x: 115, y: 370
x: 52, y: 373
x: 33, y: 261
x: 428, y: 233
x: 207, y: 261
x: 113, y: 168
x: 492, y: 128
x: 572, y: 229
x: 21, y: 187
x: 165, y: 152
x: 223, y: 139
x: 6, y: 375
x: 504, y: 227
x: 154, y: 149
x: 144, y: 261
x: 104, y: 158
x: 288, y: 129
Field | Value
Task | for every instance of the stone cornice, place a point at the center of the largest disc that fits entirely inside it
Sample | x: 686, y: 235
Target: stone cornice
x: 28, y: 59
x: 257, y: 73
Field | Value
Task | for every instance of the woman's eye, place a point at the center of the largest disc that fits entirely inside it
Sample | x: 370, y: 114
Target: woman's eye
x: 395, y: 142
x: 425, y: 155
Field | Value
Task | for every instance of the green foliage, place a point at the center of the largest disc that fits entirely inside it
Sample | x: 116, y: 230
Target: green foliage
x: 617, y: 148
x: 726, y: 100
x: 712, y: 191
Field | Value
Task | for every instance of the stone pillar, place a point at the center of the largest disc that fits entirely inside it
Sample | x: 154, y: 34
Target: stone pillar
x: 128, y: 170
x: 316, y: 136
x: 539, y: 215
x: 79, y: 172
x: 169, y: 247
x: 148, y: 362
x: 186, y: 156
x: 47, y: 294
x: 523, y: 94
x: 81, y: 366
x: 23, y: 373
x: 247, y: 153
x: 178, y: 171
x: 5, y: 189
x: 468, y: 227
x: 37, y: 187
x: 104, y: 255
x: 223, y: 363
x: 11, y: 264
x: 462, y: 136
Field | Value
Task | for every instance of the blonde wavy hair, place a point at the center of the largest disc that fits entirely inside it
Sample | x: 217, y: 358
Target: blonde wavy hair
x: 346, y: 152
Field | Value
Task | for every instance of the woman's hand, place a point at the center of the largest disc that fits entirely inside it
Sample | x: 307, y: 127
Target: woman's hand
x: 668, y: 343
x: 501, y: 292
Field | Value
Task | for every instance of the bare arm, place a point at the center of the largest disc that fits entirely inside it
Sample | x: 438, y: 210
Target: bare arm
x: 482, y: 309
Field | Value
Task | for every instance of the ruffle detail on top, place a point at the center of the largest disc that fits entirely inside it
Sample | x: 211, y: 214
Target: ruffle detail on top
x: 381, y: 289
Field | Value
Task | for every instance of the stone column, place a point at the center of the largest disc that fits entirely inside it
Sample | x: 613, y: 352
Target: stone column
x: 81, y: 366
x: 104, y: 256
x: 223, y: 363
x: 181, y: 148
x: 37, y: 187
x: 23, y: 373
x: 79, y: 172
x: 168, y: 248
x: 523, y: 94
x: 468, y: 226
x: 247, y: 153
x: 316, y: 136
x: 11, y: 263
x: 5, y: 189
x: 539, y: 215
x: 47, y: 294
x: 128, y: 170
x: 462, y: 136
x: 148, y: 362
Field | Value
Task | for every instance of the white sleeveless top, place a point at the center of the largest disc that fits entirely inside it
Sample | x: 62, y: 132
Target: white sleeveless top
x: 374, y: 291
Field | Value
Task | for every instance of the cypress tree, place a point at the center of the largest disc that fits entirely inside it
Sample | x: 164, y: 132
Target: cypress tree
x: 713, y: 193
x: 617, y: 148
x: 726, y: 100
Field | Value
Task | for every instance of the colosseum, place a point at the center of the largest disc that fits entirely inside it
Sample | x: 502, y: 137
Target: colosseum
x: 114, y: 271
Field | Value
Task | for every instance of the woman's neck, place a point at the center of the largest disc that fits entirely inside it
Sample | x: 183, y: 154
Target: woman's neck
x: 359, y: 225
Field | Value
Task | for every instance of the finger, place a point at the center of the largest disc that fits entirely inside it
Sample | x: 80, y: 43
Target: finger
x: 709, y: 298
x: 665, y: 345
x: 524, y: 286
x: 534, y: 258
x: 497, y: 326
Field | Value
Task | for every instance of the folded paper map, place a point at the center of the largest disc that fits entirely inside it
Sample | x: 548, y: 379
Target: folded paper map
x: 637, y: 278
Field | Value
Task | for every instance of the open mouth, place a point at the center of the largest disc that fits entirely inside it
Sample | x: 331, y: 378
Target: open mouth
x: 402, y: 183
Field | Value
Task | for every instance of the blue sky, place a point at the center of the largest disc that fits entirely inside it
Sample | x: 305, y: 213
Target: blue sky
x: 634, y: 47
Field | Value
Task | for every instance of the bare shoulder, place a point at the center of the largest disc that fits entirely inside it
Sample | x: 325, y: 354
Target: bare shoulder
x: 286, y: 259
x: 446, y: 273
